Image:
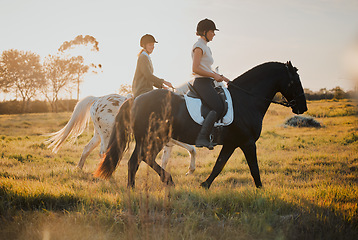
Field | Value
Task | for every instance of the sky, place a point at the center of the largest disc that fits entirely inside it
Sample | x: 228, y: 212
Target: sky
x: 314, y: 35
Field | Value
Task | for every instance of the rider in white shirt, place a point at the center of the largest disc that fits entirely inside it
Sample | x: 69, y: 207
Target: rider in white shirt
x: 204, y: 80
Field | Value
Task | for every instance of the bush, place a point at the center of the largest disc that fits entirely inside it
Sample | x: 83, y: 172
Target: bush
x: 302, y: 121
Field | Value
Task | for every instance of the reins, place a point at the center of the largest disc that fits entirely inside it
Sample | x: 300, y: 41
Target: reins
x: 284, y: 103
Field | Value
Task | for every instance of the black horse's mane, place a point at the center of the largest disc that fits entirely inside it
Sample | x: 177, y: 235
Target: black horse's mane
x: 255, y: 72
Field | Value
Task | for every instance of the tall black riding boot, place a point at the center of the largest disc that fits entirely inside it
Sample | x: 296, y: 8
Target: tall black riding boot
x: 203, y: 139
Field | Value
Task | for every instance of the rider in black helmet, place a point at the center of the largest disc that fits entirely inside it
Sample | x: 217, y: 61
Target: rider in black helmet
x: 204, y: 80
x: 204, y: 26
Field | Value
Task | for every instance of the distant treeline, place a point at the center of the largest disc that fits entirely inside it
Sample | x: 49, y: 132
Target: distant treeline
x: 36, y: 106
x: 335, y: 93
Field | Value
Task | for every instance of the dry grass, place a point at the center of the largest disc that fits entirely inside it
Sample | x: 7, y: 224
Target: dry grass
x: 310, y: 179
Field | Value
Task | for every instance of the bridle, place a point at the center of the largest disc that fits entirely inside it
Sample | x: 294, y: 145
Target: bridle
x: 283, y: 101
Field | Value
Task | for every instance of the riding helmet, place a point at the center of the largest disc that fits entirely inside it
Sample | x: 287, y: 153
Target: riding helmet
x: 147, y: 38
x: 205, y: 25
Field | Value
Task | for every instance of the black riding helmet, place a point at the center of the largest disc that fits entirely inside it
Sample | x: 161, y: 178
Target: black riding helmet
x: 204, y: 26
x: 147, y: 39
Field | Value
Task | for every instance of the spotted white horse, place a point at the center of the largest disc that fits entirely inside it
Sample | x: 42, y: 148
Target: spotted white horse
x: 103, y: 111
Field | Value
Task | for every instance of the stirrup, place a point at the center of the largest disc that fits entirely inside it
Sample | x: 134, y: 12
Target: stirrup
x: 212, y: 143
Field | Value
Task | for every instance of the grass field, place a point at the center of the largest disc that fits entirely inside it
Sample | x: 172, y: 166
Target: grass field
x: 310, y: 179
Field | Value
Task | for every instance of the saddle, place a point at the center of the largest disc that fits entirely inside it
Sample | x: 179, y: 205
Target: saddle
x: 198, y: 111
x: 204, y: 108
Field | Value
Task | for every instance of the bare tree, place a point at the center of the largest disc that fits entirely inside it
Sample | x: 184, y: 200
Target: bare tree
x: 79, y: 68
x: 58, y: 75
x: 4, y: 83
x: 21, y: 72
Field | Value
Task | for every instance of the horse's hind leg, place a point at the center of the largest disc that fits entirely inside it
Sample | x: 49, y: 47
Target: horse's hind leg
x: 164, y: 175
x: 251, y: 158
x: 133, y: 165
x: 88, y: 149
x: 191, y: 150
x: 150, y: 160
x: 166, y: 154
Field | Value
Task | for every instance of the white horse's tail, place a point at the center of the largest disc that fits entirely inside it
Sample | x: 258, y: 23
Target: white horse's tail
x: 75, y: 126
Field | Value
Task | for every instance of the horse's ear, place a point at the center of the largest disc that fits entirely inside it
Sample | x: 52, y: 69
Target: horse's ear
x: 291, y: 67
x: 288, y: 64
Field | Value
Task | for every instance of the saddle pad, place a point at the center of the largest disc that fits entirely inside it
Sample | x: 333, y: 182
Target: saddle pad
x: 194, y: 108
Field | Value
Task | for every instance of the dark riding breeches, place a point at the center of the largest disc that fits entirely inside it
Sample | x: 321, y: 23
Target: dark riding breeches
x: 205, y: 88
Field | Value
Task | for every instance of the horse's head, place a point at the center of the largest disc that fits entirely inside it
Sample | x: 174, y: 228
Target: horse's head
x: 292, y: 90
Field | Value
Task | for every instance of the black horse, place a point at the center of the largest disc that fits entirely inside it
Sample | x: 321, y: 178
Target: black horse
x: 158, y: 115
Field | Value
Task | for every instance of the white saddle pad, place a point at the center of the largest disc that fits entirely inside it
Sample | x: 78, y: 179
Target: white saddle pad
x: 194, y: 108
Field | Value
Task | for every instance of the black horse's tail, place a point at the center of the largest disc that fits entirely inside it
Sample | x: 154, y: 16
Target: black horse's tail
x: 118, y: 142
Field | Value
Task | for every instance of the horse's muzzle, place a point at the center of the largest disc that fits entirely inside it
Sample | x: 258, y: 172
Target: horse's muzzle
x: 299, y: 111
x: 300, y: 105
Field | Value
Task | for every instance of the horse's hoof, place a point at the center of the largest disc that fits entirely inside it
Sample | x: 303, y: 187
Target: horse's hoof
x: 79, y: 168
x: 170, y: 182
x: 258, y: 184
x: 190, y: 172
x: 205, y: 185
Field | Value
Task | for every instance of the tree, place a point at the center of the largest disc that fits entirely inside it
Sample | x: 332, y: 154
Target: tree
x: 125, y: 89
x: 80, y: 40
x: 57, y: 72
x: 338, y: 93
x: 21, y: 73
x: 308, y: 91
x: 323, y: 93
x: 77, y: 69
x: 4, y: 83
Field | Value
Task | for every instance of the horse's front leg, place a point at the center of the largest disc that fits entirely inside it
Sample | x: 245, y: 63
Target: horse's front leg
x: 251, y: 158
x: 224, y: 155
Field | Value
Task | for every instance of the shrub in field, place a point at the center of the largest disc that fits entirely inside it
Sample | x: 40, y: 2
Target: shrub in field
x: 302, y: 121
x: 351, y: 138
x: 20, y: 158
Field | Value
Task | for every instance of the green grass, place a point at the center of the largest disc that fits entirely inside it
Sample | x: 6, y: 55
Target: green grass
x: 334, y: 108
x: 310, y: 179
